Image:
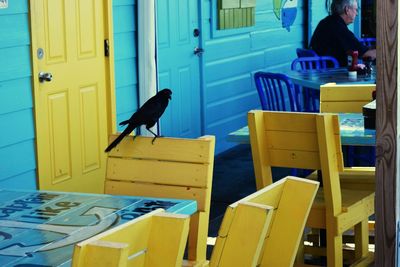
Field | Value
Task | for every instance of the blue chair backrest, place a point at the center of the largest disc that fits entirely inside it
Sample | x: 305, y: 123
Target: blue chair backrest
x: 275, y: 91
x: 302, y: 52
x: 368, y: 41
x: 314, y: 63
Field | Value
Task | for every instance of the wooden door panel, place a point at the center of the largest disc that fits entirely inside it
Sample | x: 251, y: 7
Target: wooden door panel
x: 70, y: 109
x: 178, y: 66
x: 60, y: 153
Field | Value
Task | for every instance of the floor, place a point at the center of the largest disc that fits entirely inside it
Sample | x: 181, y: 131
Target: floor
x: 234, y: 179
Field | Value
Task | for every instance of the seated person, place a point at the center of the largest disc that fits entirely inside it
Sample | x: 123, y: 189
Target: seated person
x: 333, y: 38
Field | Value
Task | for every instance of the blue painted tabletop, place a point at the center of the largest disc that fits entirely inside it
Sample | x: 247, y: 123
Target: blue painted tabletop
x: 315, y: 78
x: 40, y: 228
x: 352, y: 132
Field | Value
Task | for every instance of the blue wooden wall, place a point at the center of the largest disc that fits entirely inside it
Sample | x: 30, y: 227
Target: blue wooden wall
x: 125, y: 49
x: 17, y: 134
x: 233, y: 56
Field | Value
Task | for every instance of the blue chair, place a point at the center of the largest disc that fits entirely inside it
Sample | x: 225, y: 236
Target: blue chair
x: 276, y: 92
x: 368, y: 41
x: 303, y: 52
x: 314, y: 63
x: 311, y: 97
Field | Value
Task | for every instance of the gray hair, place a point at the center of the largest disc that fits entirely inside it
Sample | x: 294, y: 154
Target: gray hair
x: 338, y: 6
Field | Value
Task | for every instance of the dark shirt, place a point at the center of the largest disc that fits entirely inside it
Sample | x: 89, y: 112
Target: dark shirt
x: 333, y: 38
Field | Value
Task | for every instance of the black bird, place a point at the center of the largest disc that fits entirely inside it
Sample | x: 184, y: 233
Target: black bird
x: 147, y: 115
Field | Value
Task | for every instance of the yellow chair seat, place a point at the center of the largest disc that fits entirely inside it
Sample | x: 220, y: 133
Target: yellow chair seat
x: 358, y: 178
x: 351, y: 200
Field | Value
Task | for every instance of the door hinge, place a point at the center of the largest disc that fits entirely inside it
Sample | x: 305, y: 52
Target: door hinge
x: 106, y: 48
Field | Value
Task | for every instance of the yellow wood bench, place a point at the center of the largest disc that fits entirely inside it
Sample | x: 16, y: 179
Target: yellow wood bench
x: 265, y: 228
x: 312, y: 141
x: 157, y: 239
x: 172, y: 168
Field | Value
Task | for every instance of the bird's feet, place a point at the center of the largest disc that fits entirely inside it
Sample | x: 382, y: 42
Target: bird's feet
x: 154, y: 139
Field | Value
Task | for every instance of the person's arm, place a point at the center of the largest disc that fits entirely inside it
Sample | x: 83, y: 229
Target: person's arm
x: 371, y: 53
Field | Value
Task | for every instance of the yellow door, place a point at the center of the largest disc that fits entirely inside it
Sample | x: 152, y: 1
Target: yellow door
x: 70, y: 107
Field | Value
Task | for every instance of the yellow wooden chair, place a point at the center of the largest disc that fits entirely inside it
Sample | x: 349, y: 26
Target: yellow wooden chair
x: 265, y: 228
x: 157, y: 239
x: 349, y: 98
x: 345, y: 98
x: 172, y: 168
x: 312, y: 141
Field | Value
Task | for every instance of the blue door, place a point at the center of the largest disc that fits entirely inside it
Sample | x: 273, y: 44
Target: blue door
x: 178, y: 66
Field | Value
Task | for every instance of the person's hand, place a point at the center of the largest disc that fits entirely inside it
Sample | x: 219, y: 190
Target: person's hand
x: 370, y: 54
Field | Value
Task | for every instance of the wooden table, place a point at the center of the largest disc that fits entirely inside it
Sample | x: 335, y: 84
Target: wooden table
x: 315, y: 78
x: 40, y: 228
x: 352, y: 132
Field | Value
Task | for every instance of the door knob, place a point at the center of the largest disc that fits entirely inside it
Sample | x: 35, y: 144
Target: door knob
x: 198, y: 51
x: 45, y: 77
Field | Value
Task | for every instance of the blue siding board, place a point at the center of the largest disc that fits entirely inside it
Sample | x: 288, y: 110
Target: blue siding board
x: 17, y: 143
x: 125, y: 72
x: 273, y: 38
x: 125, y: 44
x: 17, y: 159
x: 227, y: 47
x: 232, y: 87
x: 125, y: 40
x: 19, y: 35
x: 17, y: 60
x: 20, y: 127
x: 15, y: 95
x: 124, y: 2
x: 233, y: 106
x: 23, y: 181
x: 233, y: 66
x: 124, y: 19
x: 128, y: 98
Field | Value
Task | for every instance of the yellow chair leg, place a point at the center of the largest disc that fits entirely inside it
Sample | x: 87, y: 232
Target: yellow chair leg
x: 334, y: 252
x: 361, y: 239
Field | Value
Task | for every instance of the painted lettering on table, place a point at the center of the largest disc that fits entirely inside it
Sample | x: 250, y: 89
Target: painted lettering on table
x: 44, y: 226
x: 129, y: 214
x: 20, y: 205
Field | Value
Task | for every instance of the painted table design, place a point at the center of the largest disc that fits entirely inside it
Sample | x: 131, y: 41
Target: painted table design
x: 40, y: 228
x: 352, y: 132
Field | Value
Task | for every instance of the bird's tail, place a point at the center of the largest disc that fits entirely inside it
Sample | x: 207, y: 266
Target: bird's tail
x: 124, y: 122
x: 117, y: 140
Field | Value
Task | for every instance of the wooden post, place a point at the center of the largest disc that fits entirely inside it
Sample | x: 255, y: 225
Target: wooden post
x: 386, y: 132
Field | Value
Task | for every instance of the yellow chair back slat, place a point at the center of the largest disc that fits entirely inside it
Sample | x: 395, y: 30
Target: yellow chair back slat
x: 156, y: 171
x: 178, y: 168
x: 263, y: 229
x: 345, y: 98
x: 155, y: 239
x: 165, y: 148
x: 281, y: 140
